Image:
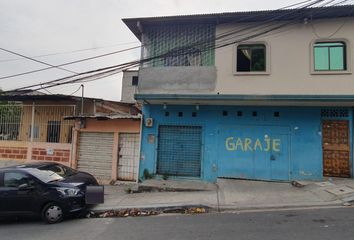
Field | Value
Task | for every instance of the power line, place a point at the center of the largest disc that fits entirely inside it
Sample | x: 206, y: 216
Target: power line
x: 103, y: 55
x: 57, y: 82
x: 104, y: 72
x: 75, y: 91
x: 35, y: 60
x: 69, y: 63
x: 68, y: 52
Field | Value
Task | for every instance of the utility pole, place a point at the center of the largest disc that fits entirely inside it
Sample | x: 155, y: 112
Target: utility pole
x: 82, y: 99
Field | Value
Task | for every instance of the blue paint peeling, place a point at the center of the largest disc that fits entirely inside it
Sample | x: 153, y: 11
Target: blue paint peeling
x: 297, y: 128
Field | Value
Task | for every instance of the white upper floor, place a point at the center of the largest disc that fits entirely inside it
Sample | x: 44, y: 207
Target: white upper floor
x: 256, y: 53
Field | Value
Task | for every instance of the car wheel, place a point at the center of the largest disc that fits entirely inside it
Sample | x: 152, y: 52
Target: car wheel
x: 52, y: 213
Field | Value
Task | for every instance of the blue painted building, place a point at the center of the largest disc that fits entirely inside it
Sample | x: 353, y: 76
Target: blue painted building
x: 220, y: 104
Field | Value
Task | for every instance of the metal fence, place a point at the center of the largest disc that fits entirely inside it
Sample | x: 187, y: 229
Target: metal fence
x: 36, y: 123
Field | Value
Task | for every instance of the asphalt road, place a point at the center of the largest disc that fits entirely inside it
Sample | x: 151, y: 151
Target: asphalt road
x: 283, y: 225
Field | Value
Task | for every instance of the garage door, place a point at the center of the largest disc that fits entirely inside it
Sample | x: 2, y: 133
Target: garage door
x: 95, y: 154
x: 253, y: 152
x: 179, y: 151
x: 128, y: 156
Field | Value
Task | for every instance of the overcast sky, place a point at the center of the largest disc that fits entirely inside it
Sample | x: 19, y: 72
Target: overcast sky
x: 65, y: 28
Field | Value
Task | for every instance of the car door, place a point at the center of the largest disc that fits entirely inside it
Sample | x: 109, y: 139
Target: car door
x: 2, y: 194
x: 20, y: 192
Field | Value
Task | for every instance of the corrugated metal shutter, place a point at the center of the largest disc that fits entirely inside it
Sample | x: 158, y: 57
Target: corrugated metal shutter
x: 128, y: 157
x: 95, y: 154
x: 179, y: 151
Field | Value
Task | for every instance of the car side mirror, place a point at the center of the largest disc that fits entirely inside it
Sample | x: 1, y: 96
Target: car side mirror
x: 25, y: 186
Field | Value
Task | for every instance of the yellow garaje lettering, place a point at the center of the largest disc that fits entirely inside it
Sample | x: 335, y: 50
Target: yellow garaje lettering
x: 276, y: 145
x: 248, y: 142
x: 239, y: 144
x: 230, y: 146
x: 258, y: 144
x: 267, y: 140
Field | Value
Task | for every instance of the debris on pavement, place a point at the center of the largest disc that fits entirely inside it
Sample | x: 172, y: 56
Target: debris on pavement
x: 297, y: 184
x: 135, y: 212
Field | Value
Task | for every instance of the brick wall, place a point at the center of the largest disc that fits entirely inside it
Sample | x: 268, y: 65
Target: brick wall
x: 59, y: 155
x: 16, y: 153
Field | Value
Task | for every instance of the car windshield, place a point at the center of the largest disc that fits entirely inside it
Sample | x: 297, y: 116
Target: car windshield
x: 44, y: 175
x: 59, y: 169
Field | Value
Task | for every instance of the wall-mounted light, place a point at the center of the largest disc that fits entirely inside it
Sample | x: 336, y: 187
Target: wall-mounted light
x: 197, y: 107
x: 164, y: 106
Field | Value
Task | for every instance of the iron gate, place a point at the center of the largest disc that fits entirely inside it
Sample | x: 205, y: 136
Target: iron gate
x: 128, y: 156
x: 179, y: 150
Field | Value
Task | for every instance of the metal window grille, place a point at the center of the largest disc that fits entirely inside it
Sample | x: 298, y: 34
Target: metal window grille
x: 182, y: 45
x: 40, y: 123
x: 334, y: 113
x: 179, y: 151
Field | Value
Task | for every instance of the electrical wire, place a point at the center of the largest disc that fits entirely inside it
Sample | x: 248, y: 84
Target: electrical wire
x: 121, y: 67
x: 75, y: 91
x: 100, y: 74
x: 69, y: 63
x: 35, y: 60
x: 103, y: 55
x: 69, y: 52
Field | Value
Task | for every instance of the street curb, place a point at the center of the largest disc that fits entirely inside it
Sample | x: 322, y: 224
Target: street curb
x: 215, y: 209
x: 157, y: 208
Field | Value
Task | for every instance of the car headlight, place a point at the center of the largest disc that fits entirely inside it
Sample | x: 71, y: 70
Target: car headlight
x: 68, y: 191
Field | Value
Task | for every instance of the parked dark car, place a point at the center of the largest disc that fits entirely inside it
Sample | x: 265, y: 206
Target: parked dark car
x: 36, y: 189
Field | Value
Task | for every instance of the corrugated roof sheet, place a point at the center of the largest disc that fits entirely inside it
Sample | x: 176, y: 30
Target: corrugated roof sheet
x: 105, y: 116
x: 245, y: 16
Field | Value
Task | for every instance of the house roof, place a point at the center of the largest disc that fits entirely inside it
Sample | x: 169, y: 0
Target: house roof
x: 136, y: 24
x: 29, y: 95
x: 105, y: 116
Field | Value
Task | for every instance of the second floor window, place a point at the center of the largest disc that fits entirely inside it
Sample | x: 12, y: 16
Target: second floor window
x: 251, y: 58
x: 329, y: 56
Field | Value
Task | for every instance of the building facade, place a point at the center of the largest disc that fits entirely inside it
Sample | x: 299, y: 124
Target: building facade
x: 265, y: 95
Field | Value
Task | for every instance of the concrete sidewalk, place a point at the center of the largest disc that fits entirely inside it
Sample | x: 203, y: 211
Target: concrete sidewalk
x: 228, y: 194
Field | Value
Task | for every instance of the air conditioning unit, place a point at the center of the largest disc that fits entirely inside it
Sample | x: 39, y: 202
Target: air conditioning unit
x: 149, y: 122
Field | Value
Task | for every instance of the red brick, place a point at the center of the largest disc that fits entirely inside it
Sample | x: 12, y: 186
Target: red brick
x: 12, y: 156
x: 43, y: 153
x: 66, y: 154
x: 35, y: 152
x: 56, y: 159
x: 15, y: 151
x: 24, y: 151
x: 48, y: 158
x: 2, y: 150
x: 64, y: 159
x: 8, y: 151
x: 58, y: 153
x: 4, y: 155
x: 40, y: 158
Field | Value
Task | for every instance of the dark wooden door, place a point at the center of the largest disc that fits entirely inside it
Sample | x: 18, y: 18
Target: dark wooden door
x: 336, y: 149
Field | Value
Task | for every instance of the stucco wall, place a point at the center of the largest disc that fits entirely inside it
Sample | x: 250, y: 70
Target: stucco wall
x: 302, y: 124
x: 289, y: 52
x: 115, y: 126
x: 128, y: 90
x: 190, y: 79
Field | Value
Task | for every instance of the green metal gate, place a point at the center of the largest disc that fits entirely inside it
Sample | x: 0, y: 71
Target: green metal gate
x: 179, y: 150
